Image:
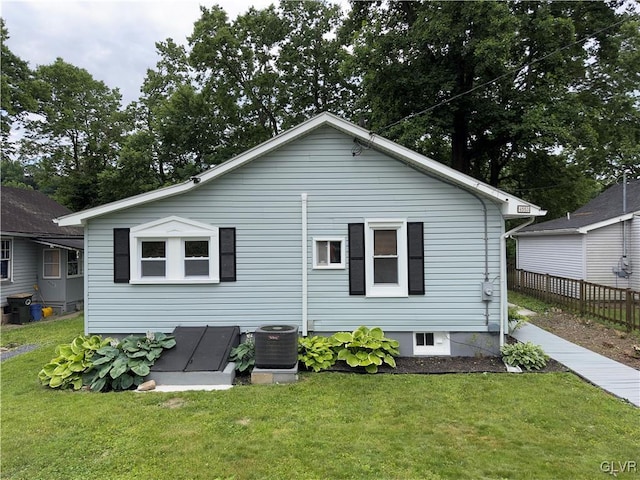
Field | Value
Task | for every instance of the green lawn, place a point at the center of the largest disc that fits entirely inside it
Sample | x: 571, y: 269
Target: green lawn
x: 326, y: 426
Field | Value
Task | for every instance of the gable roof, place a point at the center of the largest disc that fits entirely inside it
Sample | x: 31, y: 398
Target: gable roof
x: 512, y: 207
x: 606, y: 209
x: 31, y: 213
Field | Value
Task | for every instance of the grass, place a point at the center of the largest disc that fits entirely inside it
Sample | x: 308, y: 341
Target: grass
x: 327, y: 425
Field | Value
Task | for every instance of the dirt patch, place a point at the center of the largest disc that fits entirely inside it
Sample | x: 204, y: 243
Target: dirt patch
x: 612, y: 343
x: 174, y: 402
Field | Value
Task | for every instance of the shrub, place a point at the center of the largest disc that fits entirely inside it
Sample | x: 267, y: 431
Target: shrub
x: 244, y: 355
x: 366, y: 348
x: 316, y: 353
x: 516, y: 320
x: 120, y: 366
x: 525, y: 355
x: 71, y: 361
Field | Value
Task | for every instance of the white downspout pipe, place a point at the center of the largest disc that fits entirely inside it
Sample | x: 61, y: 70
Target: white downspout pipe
x: 305, y: 291
x: 504, y: 307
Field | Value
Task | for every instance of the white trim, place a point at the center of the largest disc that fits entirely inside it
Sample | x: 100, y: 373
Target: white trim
x: 606, y: 223
x: 512, y: 207
x: 441, y: 344
x: 400, y: 289
x: 173, y: 231
x: 305, y: 284
x: 329, y: 265
x: 9, y: 278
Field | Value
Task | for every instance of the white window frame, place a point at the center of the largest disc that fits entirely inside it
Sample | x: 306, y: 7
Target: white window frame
x: 329, y: 265
x: 441, y: 344
x: 9, y: 259
x: 79, y: 261
x: 400, y: 289
x: 45, y: 263
x: 174, y: 231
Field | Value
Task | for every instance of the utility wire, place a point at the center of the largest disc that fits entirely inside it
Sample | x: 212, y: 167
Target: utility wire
x: 510, y: 72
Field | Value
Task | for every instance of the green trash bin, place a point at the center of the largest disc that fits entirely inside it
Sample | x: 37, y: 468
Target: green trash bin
x: 20, y: 307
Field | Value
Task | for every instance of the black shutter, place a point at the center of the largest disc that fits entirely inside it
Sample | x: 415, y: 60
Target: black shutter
x: 415, y: 240
x: 227, y: 254
x: 356, y: 259
x: 121, y: 262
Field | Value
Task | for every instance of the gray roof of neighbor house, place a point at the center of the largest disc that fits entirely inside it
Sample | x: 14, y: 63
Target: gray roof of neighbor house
x: 31, y: 213
x: 605, y: 208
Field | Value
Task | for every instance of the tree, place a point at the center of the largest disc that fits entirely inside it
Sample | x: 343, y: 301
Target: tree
x: 493, y: 89
x: 16, y: 91
x: 75, y: 136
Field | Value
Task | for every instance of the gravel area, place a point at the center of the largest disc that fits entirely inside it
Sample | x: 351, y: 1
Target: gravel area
x: 12, y: 352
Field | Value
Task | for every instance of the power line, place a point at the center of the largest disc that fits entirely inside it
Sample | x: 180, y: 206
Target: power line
x: 510, y: 72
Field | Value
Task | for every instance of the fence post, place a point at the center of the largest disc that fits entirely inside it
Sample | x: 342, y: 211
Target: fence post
x: 583, y: 295
x: 630, y: 309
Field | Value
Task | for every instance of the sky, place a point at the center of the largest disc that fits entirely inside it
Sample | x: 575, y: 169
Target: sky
x: 113, y: 40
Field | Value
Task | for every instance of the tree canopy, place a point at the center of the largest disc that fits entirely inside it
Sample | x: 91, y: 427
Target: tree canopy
x: 540, y: 99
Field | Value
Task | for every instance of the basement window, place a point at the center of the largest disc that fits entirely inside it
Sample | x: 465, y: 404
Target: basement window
x: 431, y: 343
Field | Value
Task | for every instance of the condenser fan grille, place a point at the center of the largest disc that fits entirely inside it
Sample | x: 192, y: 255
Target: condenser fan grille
x: 276, y: 346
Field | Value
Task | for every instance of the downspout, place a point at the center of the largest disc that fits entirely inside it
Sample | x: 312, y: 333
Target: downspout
x: 504, y: 310
x: 305, y: 292
x: 486, y: 251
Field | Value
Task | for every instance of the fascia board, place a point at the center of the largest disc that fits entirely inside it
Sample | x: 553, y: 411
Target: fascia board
x: 606, y: 223
x: 538, y: 233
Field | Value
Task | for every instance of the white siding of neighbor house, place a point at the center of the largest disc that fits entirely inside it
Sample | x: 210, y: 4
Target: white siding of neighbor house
x: 559, y: 255
x: 634, y: 252
x: 262, y: 200
x: 25, y: 268
x: 604, y: 251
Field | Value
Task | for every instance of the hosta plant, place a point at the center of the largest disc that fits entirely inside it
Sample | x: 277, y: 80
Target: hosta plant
x: 120, y: 366
x: 365, y: 347
x: 244, y: 355
x: 316, y: 353
x: 526, y: 355
x: 71, y: 361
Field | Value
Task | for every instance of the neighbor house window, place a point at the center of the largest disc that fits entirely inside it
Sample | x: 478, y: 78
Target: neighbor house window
x: 328, y: 253
x: 431, y: 343
x: 174, y: 250
x: 386, y: 247
x: 5, y: 260
x: 75, y: 263
x: 51, y: 263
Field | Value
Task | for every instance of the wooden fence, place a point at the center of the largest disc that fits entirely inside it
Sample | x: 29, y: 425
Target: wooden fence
x: 619, y: 306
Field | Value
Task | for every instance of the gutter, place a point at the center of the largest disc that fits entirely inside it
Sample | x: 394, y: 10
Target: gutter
x: 503, y: 276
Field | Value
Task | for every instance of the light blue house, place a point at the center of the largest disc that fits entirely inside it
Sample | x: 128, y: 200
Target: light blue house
x: 326, y: 226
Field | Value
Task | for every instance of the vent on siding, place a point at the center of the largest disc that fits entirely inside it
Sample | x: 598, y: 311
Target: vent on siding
x: 276, y: 346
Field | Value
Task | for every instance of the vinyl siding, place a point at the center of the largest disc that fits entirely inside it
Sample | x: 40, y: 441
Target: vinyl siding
x: 604, y: 250
x: 634, y: 252
x: 25, y: 268
x: 559, y: 255
x: 262, y: 200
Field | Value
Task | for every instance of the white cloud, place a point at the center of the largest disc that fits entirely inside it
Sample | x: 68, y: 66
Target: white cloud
x: 113, y: 40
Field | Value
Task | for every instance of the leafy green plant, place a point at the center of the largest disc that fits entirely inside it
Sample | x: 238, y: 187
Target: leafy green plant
x: 526, y: 355
x: 120, y: 366
x: 71, y: 361
x: 516, y: 320
x: 316, y: 353
x: 244, y: 355
x: 365, y: 347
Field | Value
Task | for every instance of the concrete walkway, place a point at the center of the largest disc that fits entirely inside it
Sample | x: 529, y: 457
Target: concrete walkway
x: 614, y: 377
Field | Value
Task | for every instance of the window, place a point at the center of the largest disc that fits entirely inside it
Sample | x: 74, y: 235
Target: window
x: 75, y: 263
x: 196, y: 258
x: 174, y: 250
x: 154, y: 259
x: 386, y: 258
x: 5, y: 260
x: 51, y: 263
x: 328, y: 253
x: 431, y: 343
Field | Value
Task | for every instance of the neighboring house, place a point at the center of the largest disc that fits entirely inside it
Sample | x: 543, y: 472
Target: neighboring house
x: 34, y: 251
x: 598, y: 243
x: 326, y: 226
